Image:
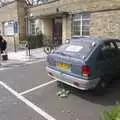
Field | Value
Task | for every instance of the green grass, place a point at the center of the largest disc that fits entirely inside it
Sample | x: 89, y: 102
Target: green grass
x: 113, y: 114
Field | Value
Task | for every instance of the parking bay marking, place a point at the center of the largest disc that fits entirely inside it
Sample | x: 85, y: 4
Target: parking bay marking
x: 5, y: 68
x: 27, y: 102
x: 37, y: 87
x: 9, y: 67
x: 37, y: 61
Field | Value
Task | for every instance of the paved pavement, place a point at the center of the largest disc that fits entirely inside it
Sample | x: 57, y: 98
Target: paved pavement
x: 27, y: 93
x: 19, y: 57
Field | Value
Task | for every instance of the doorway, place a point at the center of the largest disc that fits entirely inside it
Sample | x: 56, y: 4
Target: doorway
x: 57, y: 30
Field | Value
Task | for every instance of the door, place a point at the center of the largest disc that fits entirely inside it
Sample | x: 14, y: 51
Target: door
x: 57, y: 30
x: 106, y: 62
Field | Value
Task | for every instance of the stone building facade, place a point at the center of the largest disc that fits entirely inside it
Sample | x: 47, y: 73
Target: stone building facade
x: 79, y: 18
x: 13, y: 22
x: 106, y: 23
x: 60, y: 19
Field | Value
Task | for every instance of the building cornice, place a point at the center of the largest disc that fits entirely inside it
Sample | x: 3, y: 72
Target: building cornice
x: 96, y: 11
x: 33, y: 6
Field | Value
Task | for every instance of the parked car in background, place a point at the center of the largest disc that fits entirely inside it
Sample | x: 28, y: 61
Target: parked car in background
x: 86, y: 63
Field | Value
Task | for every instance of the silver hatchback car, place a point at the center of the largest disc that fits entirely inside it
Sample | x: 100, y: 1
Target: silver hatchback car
x: 85, y: 63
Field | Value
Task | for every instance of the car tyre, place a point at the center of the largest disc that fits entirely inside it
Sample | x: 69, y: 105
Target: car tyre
x: 100, y: 88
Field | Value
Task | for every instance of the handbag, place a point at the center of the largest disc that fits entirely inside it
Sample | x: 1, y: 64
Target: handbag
x: 4, y: 56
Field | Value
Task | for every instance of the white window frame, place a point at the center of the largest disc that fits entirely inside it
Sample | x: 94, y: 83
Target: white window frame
x: 81, y: 20
x: 32, y: 28
x: 7, y: 29
x: 35, y: 28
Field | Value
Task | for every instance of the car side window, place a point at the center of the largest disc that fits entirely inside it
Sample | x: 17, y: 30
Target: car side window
x: 107, y: 51
x: 118, y: 47
x: 118, y: 44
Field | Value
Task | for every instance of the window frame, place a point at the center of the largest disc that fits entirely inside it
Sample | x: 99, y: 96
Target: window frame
x: 81, y: 19
x: 117, y: 41
x: 7, y: 28
x: 32, y: 27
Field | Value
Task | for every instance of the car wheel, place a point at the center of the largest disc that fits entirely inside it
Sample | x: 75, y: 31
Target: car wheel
x: 100, y: 88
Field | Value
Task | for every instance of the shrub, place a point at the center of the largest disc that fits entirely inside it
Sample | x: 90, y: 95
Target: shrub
x: 113, y: 114
x: 35, y: 41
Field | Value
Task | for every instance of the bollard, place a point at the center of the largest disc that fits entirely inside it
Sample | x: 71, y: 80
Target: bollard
x: 0, y: 58
x: 26, y: 46
x: 14, y: 44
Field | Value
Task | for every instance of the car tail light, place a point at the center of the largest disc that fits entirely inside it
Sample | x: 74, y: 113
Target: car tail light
x: 86, y: 70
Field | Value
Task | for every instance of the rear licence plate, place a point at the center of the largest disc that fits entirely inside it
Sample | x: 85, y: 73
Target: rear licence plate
x: 63, y: 66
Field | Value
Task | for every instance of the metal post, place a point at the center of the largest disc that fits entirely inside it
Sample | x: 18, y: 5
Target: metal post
x: 14, y: 44
x: 0, y: 57
x: 29, y: 51
x: 26, y: 46
x: 29, y: 46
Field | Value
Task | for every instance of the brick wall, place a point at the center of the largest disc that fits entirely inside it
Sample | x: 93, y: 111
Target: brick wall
x: 8, y: 12
x: 87, y: 5
x: 74, y: 6
x: 45, y: 9
x: 14, y: 11
x: 22, y: 15
x: 105, y: 24
x: 102, y: 23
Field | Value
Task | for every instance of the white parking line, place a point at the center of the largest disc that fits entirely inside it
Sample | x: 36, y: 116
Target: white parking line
x: 37, y: 61
x: 17, y: 65
x: 7, y: 68
x: 27, y: 102
x: 37, y: 87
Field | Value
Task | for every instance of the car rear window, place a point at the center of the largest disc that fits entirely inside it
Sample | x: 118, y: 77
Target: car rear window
x: 74, y: 48
x: 77, y: 49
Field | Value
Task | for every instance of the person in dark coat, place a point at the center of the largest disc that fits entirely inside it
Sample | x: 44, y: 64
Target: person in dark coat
x: 3, y: 44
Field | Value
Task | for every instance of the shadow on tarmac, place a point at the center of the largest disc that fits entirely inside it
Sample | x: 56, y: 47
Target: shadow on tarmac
x: 110, y: 97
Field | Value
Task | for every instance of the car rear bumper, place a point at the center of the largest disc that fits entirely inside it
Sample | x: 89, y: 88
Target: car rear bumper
x: 78, y: 83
